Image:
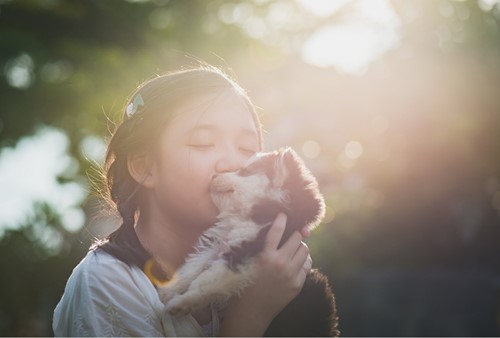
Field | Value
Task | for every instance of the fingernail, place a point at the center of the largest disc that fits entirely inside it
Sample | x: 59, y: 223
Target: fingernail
x: 305, y: 232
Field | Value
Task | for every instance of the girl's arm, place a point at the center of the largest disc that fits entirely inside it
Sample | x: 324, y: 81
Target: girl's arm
x: 280, y: 277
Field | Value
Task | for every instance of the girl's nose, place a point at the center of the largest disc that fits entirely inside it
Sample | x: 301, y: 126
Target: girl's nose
x: 230, y: 161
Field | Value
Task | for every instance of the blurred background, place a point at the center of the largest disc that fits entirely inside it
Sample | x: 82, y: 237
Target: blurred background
x: 395, y: 105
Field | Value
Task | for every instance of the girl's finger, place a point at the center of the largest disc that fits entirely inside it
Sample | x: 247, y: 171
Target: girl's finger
x: 276, y: 231
x: 301, y: 257
x: 289, y: 248
x: 301, y: 277
x: 308, y: 264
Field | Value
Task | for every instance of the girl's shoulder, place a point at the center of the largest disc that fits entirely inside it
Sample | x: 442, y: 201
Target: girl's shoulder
x: 104, y: 296
x: 98, y: 267
x: 100, y: 272
x: 101, y: 264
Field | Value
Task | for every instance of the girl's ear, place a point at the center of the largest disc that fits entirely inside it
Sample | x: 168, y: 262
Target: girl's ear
x: 139, y: 167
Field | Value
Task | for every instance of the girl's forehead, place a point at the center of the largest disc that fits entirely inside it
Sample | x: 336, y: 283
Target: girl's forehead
x: 224, y: 110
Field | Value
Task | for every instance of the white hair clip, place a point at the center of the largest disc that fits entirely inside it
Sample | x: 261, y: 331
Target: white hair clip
x: 134, y: 105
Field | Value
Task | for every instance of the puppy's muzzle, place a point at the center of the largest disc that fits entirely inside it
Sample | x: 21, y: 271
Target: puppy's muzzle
x: 221, y: 184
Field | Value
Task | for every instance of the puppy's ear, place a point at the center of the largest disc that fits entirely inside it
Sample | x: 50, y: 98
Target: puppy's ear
x: 281, y: 169
x: 306, y: 203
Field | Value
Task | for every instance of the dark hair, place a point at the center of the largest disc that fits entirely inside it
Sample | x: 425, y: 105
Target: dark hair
x: 147, y: 112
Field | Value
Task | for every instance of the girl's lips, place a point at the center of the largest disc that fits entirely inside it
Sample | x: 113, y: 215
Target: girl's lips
x: 221, y: 191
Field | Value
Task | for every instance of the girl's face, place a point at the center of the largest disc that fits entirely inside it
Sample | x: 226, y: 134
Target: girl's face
x: 213, y: 135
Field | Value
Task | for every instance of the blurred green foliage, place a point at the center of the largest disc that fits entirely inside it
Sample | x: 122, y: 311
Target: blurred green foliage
x: 413, y: 222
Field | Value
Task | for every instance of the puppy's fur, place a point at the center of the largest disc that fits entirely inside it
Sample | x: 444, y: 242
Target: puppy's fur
x: 224, y: 261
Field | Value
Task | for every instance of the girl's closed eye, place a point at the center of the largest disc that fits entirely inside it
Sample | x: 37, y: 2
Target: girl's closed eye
x: 248, y: 146
x: 248, y: 150
x: 201, y: 146
x: 201, y: 141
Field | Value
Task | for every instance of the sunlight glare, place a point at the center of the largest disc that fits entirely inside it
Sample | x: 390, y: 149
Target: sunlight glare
x: 322, y: 7
x: 350, y: 45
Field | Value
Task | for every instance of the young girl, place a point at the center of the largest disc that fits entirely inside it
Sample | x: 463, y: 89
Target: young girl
x: 178, y: 131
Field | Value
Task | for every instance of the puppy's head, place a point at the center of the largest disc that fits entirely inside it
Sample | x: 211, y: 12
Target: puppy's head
x: 270, y: 183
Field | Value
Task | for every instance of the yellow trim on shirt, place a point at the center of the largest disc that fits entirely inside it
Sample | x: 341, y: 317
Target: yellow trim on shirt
x: 153, y: 270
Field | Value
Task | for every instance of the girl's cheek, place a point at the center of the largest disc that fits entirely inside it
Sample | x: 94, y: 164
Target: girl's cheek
x: 201, y: 164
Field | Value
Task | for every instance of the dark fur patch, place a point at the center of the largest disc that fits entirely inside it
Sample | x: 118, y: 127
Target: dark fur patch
x: 312, y: 313
x: 305, y: 201
x: 265, y: 210
x: 239, y: 255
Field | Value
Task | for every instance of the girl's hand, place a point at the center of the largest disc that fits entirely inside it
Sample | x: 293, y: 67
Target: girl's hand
x: 279, y: 278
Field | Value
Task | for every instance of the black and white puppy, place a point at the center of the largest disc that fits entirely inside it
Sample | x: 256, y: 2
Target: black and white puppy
x: 223, y: 263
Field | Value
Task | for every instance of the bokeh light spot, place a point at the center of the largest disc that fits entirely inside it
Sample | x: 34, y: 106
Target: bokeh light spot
x: 73, y: 219
x: 353, y: 150
x: 19, y: 71
x: 311, y: 149
x: 93, y: 148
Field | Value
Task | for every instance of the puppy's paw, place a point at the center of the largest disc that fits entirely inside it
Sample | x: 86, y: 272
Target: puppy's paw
x: 179, y: 306
x: 166, y: 294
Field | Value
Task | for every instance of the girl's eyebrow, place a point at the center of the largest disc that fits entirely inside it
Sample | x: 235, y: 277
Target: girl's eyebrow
x: 213, y: 127
x: 197, y: 127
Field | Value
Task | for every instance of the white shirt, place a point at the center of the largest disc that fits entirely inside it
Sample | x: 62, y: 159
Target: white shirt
x: 106, y: 297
